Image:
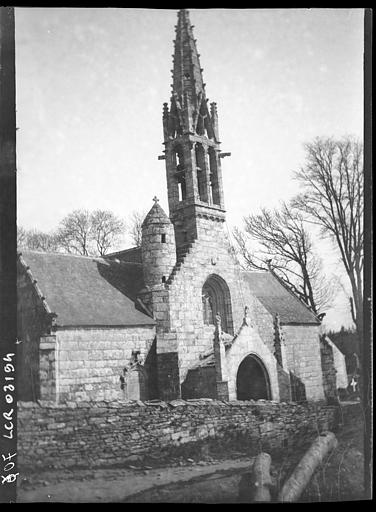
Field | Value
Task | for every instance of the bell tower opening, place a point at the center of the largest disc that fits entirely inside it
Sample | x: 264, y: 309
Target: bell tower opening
x: 201, y: 171
x: 192, y: 147
x: 252, y: 380
x: 214, y: 182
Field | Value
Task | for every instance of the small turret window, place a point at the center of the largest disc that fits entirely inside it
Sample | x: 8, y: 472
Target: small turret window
x: 163, y: 238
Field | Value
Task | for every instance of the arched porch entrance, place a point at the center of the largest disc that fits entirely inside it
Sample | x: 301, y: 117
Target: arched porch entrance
x: 252, y: 380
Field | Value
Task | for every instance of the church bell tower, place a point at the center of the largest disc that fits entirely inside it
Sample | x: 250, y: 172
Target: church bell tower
x: 192, y: 148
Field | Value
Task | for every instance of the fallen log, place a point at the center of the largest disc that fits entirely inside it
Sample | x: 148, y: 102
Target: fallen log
x: 295, y: 485
x: 261, y: 480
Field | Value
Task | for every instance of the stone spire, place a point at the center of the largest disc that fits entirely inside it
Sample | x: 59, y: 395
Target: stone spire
x: 189, y: 112
x: 188, y: 88
x: 192, y: 147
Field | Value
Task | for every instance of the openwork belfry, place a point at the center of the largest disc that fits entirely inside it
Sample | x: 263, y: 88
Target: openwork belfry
x: 176, y: 317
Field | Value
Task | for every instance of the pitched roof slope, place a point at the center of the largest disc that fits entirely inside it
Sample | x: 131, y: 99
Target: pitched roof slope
x: 132, y: 255
x: 86, y: 291
x: 277, y: 299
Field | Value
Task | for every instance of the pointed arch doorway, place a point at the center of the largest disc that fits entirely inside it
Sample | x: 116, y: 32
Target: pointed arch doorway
x: 252, y: 380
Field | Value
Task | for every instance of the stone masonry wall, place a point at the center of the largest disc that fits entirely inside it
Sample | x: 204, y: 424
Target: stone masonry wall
x: 90, y: 361
x: 304, y: 359
x: 103, y: 434
x: 47, y: 367
x: 210, y: 254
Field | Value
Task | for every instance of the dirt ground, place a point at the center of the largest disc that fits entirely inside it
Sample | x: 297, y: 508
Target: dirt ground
x: 208, y: 478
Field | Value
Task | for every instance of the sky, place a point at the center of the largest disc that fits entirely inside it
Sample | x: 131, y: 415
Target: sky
x: 91, y: 83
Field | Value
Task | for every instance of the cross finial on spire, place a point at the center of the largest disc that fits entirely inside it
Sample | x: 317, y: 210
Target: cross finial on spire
x: 155, y: 199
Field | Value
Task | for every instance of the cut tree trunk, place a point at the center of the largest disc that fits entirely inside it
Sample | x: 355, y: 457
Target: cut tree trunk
x: 261, y: 479
x: 295, y: 485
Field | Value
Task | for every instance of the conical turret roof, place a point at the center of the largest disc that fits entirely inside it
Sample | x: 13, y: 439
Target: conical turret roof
x: 156, y: 215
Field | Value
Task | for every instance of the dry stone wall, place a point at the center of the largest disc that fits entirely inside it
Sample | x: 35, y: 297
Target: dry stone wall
x: 101, y: 434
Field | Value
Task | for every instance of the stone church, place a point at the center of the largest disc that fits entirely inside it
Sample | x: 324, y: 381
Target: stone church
x: 176, y: 317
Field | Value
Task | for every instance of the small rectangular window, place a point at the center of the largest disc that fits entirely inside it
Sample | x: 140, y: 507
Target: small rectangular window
x: 163, y: 238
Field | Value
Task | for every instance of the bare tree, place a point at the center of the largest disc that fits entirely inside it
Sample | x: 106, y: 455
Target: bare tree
x: 332, y: 198
x: 75, y: 232
x: 285, y: 247
x: 135, y: 223
x: 106, y: 230
x: 85, y: 233
x: 37, y: 240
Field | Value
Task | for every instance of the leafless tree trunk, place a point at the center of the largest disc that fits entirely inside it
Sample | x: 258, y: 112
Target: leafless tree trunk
x: 332, y: 198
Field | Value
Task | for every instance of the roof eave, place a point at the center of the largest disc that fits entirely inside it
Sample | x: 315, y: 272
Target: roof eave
x: 103, y: 326
x: 300, y: 323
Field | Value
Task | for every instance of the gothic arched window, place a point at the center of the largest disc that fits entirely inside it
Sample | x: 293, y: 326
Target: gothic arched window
x: 216, y: 300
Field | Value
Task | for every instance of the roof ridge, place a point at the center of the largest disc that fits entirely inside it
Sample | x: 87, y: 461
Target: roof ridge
x: 255, y: 271
x: 121, y: 252
x: 52, y: 253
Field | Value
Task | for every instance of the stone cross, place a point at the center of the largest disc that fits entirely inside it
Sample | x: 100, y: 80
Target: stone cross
x: 155, y: 199
x: 353, y: 384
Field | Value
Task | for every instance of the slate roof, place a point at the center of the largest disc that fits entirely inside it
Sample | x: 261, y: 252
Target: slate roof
x: 132, y: 255
x: 276, y: 298
x: 86, y: 291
